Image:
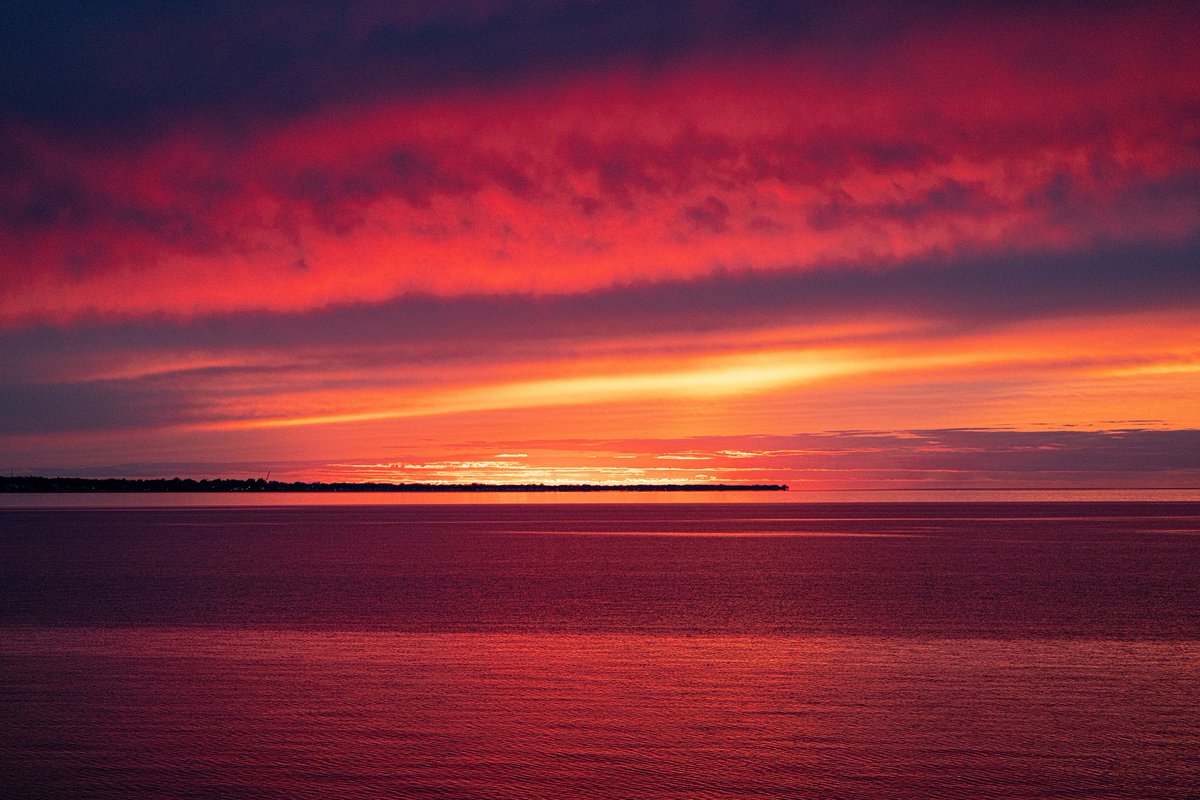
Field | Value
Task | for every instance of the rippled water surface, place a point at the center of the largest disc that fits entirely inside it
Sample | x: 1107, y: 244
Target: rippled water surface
x: 618, y: 650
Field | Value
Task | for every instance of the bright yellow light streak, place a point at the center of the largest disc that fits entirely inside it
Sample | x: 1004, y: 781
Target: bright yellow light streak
x: 1170, y: 368
x: 722, y: 377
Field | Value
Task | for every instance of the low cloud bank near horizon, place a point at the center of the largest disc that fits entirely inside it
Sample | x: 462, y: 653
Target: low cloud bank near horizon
x: 948, y: 459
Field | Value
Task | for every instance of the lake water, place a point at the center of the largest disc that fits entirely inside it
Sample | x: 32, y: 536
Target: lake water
x: 773, y: 649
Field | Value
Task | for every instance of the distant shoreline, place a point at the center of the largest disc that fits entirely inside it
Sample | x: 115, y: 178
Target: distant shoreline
x: 176, y: 485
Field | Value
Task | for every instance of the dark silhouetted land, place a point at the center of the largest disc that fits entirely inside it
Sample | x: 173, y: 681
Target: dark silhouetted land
x: 39, y: 484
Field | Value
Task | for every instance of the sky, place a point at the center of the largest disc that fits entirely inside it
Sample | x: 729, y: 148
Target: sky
x: 848, y: 245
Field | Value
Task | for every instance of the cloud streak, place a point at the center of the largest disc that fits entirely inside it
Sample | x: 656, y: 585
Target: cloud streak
x: 953, y: 295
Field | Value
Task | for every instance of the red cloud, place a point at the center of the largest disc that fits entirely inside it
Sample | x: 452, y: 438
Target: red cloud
x: 1011, y: 133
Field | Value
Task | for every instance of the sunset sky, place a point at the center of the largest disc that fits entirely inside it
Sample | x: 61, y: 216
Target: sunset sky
x: 843, y: 245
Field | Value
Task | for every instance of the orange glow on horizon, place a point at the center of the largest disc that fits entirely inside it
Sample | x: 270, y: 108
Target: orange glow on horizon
x: 1085, y: 350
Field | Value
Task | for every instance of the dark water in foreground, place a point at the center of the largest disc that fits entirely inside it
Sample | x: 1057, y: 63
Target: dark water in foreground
x: 742, y: 650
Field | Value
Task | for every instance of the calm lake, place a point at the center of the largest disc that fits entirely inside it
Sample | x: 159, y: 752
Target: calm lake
x: 607, y: 650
